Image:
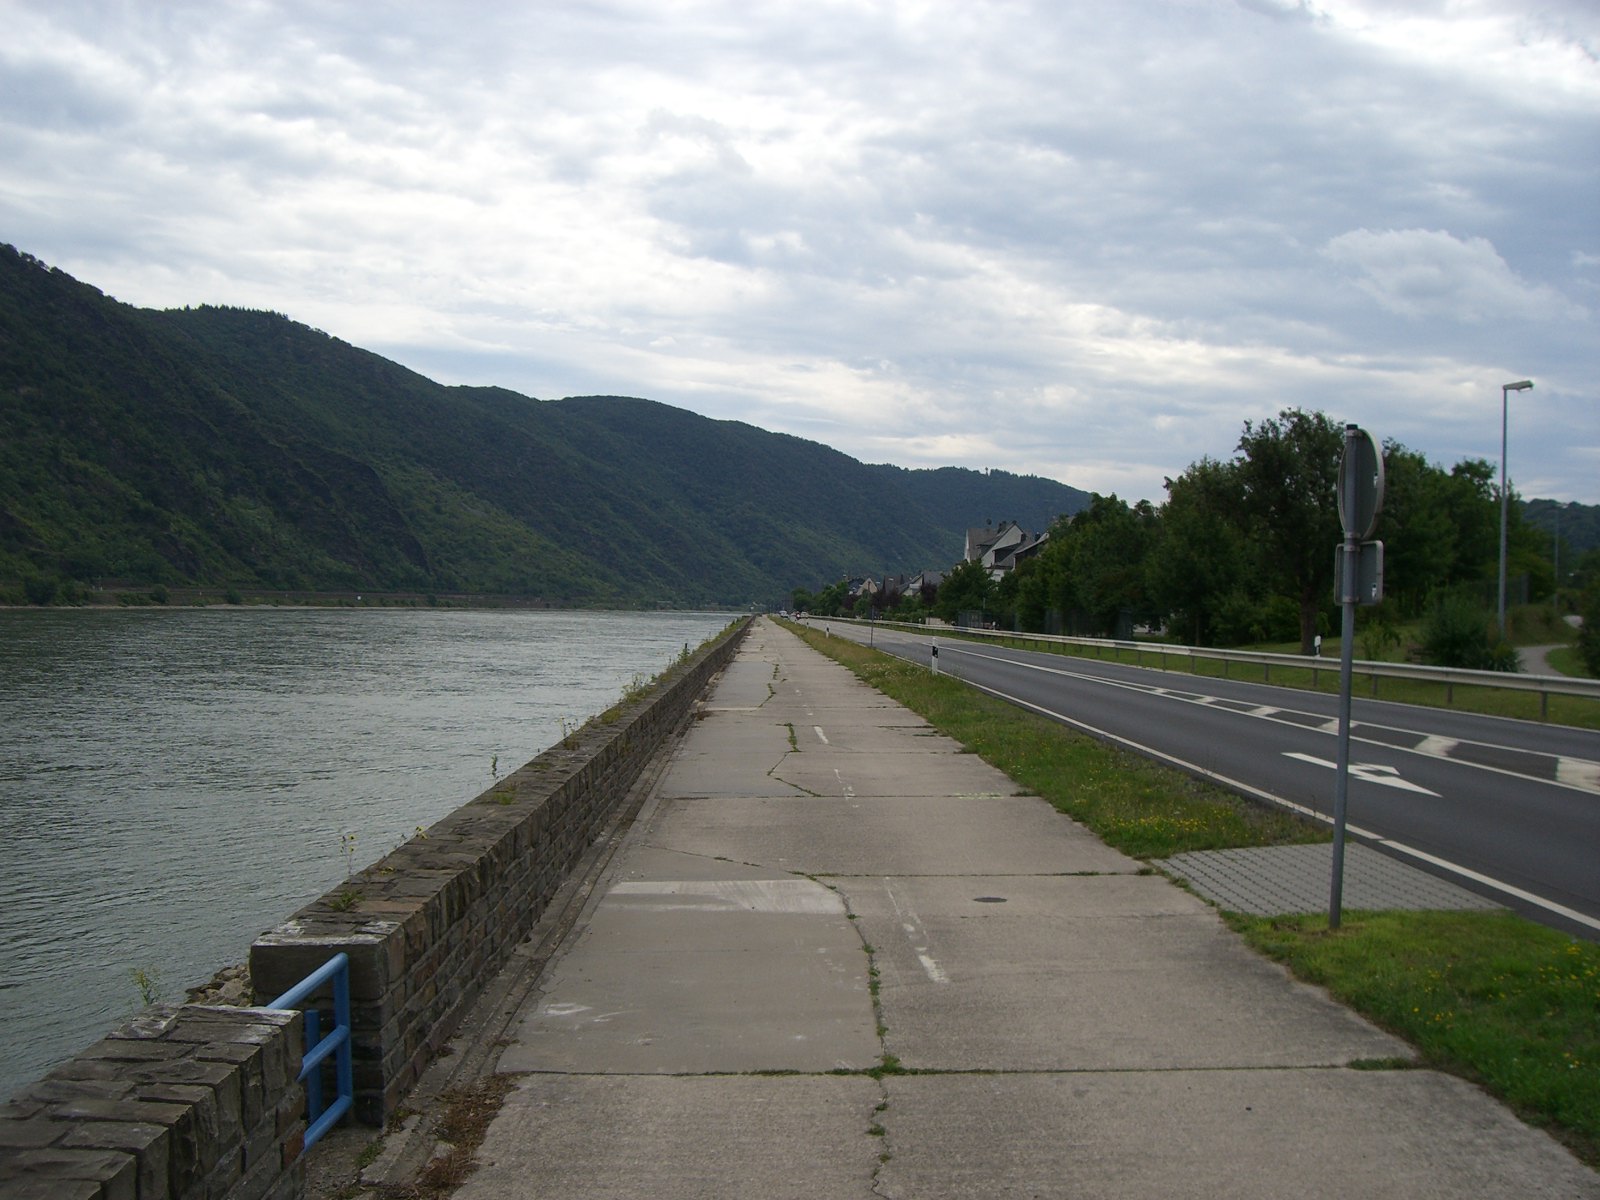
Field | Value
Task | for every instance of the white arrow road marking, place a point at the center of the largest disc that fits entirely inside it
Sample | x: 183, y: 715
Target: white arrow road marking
x: 1371, y: 772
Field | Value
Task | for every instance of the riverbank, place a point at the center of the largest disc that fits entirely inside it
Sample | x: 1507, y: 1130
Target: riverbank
x: 178, y: 780
x: 13, y: 595
x: 830, y: 919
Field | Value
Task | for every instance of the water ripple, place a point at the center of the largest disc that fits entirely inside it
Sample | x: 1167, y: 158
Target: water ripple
x: 172, y: 783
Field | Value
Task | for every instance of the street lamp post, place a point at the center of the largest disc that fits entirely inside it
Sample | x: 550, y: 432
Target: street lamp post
x: 1506, y: 389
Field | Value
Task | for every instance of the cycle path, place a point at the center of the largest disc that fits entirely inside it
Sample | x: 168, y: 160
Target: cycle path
x: 835, y: 956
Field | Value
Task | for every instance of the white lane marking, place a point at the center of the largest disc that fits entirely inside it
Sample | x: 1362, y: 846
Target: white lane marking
x: 1371, y: 772
x: 911, y: 925
x: 845, y: 789
x: 1578, y: 773
x: 822, y: 737
x: 1265, y: 710
x: 563, y: 1010
x: 1240, y: 786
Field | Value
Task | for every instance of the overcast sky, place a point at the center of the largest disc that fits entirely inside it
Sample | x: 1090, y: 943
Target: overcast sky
x: 1084, y: 240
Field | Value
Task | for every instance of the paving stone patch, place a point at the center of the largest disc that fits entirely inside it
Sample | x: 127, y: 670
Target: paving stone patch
x: 1269, y: 881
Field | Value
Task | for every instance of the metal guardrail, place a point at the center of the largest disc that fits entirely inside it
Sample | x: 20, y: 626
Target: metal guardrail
x: 320, y: 1118
x: 1451, y: 677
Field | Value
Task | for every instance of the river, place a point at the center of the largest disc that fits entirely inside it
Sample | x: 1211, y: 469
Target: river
x: 174, y: 782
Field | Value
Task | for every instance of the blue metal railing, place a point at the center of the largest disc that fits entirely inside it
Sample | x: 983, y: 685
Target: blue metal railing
x: 337, y: 1041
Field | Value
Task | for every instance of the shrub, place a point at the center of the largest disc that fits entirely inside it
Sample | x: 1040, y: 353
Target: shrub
x: 39, y: 589
x: 1589, y: 636
x: 1537, y: 624
x: 1460, y: 633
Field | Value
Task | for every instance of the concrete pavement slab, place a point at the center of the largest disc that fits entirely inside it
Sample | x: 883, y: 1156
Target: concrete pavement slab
x: 1086, y: 973
x: 1245, y: 1135
x: 930, y: 835
x: 827, y: 774
x: 625, y: 1138
x: 717, y: 971
x: 745, y: 684
x: 711, y: 778
x: 759, y: 737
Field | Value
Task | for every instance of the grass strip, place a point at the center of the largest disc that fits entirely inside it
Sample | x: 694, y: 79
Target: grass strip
x: 1488, y: 996
x: 1134, y: 805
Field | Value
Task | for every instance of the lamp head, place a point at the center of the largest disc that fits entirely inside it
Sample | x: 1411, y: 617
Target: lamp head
x: 1521, y: 385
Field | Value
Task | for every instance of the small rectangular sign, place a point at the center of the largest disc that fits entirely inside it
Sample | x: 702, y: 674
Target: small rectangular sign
x: 1369, y: 575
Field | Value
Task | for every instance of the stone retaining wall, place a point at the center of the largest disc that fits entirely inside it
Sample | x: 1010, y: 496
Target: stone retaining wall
x: 185, y: 1102
x: 201, y: 1103
x: 428, y: 926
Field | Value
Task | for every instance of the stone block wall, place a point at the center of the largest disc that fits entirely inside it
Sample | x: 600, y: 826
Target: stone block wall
x: 429, y: 925
x: 190, y: 1102
x: 201, y: 1102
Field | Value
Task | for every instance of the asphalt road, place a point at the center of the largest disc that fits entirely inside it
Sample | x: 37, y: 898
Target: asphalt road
x: 1510, y: 809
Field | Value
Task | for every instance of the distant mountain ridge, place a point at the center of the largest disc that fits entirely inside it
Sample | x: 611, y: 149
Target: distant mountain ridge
x: 223, y: 446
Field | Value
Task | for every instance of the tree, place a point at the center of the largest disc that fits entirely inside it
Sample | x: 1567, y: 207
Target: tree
x: 1108, y: 544
x: 1418, y: 528
x: 1044, y: 582
x: 1288, y: 473
x: 1474, y: 506
x: 831, y: 601
x: 967, y: 588
x: 1201, y: 554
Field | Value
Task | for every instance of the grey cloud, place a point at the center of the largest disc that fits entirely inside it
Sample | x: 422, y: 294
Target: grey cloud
x: 1131, y: 227
x: 1430, y: 273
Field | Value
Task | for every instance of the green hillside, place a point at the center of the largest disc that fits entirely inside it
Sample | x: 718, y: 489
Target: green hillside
x: 224, y: 447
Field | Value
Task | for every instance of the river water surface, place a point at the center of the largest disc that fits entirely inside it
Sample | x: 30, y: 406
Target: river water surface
x: 173, y: 783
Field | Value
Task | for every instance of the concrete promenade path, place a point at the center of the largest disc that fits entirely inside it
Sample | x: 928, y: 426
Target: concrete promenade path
x: 835, y: 956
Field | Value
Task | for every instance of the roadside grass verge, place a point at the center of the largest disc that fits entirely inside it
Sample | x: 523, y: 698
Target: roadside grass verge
x: 1138, y: 807
x: 1569, y: 661
x: 1581, y: 712
x: 1489, y: 996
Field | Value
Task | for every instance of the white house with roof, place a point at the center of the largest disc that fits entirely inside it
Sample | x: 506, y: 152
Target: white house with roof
x: 998, y: 548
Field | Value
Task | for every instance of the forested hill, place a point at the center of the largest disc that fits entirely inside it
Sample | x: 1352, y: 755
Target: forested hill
x: 227, y: 447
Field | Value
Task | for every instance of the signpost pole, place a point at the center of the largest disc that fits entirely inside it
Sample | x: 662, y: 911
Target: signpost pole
x: 1360, y: 496
x: 1341, y: 777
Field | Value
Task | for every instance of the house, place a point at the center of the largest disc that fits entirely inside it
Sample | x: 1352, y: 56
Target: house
x: 924, y: 584
x: 1018, y: 554
x: 998, y: 548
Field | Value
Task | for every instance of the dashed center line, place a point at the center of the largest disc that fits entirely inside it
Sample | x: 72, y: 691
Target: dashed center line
x: 1563, y: 770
